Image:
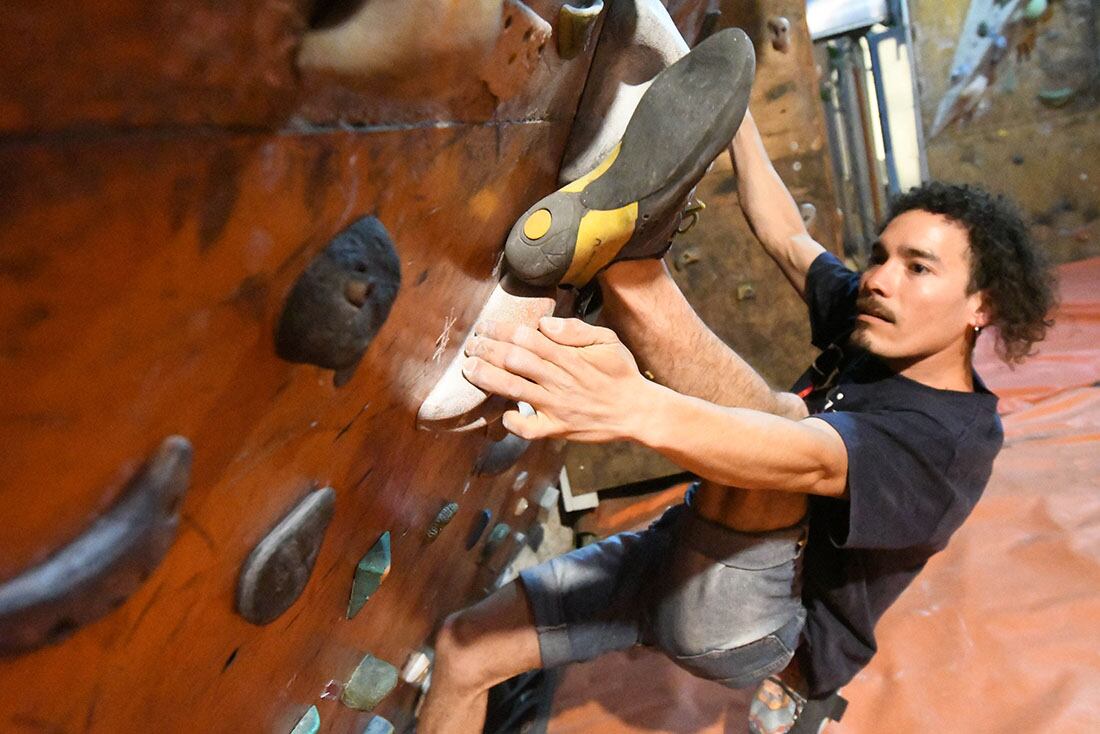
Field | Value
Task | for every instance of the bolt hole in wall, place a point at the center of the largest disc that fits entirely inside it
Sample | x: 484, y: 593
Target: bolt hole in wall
x: 869, y: 90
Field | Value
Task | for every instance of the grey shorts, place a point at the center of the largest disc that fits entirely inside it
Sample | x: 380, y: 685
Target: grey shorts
x: 723, y: 604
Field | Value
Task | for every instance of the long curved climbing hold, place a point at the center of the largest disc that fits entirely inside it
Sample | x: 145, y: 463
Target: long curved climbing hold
x: 102, y: 567
x: 626, y: 207
x: 341, y: 300
x: 638, y: 39
x: 279, y: 567
x: 455, y: 404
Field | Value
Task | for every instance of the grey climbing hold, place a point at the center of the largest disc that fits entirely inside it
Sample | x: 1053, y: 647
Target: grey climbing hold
x: 418, y: 667
x: 499, y: 456
x: 341, y: 300
x: 378, y: 725
x: 442, y: 519
x: 104, y: 565
x: 310, y: 723
x: 370, y: 572
x: 372, y: 681
x: 279, y: 567
x: 1056, y: 97
x: 575, y: 24
x: 480, y: 523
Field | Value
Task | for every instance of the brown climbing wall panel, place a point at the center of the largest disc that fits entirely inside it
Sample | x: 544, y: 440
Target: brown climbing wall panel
x: 167, y: 175
x: 736, y: 289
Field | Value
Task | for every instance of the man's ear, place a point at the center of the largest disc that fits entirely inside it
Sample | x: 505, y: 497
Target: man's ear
x: 980, y: 309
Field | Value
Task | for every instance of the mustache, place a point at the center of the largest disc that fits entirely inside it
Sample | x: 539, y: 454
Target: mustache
x: 869, y: 305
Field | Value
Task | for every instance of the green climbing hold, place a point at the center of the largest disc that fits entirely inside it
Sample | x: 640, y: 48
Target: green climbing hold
x: 310, y: 723
x: 1056, y: 97
x: 1034, y: 9
x: 378, y: 725
x: 372, y: 681
x: 369, y: 574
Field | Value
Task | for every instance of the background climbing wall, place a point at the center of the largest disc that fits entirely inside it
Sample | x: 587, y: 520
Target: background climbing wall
x: 1035, y: 132
x: 168, y: 171
x: 736, y: 288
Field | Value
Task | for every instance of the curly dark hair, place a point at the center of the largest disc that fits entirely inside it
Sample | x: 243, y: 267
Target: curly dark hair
x: 1004, y: 262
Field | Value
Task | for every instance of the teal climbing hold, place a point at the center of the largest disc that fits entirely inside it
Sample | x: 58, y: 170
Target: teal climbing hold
x: 369, y: 574
x: 1034, y: 9
x: 310, y: 723
x: 372, y: 681
x: 378, y: 725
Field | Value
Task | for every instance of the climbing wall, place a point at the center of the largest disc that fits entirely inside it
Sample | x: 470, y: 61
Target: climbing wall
x: 239, y: 244
x: 1023, y: 118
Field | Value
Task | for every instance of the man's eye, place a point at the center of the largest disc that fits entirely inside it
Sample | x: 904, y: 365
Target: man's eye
x: 918, y: 268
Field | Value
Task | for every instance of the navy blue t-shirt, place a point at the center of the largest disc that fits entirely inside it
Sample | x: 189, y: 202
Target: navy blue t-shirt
x: 918, y: 460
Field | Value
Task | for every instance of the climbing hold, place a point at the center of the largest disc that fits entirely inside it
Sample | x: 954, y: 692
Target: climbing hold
x: 746, y: 292
x: 983, y: 29
x: 454, y: 403
x: 378, y: 725
x: 808, y: 212
x: 638, y: 39
x: 780, y: 30
x: 442, y: 519
x: 548, y: 500
x: 310, y: 723
x: 501, y: 455
x: 1034, y: 9
x: 418, y: 667
x: 372, y: 681
x: 521, y: 506
x: 575, y: 24
x: 496, y: 538
x: 341, y: 300
x: 370, y: 572
x: 480, y: 523
x: 280, y: 565
x: 105, y: 564
x: 518, y: 48
x: 1056, y: 97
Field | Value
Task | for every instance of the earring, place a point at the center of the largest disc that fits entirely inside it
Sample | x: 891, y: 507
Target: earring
x: 977, y: 330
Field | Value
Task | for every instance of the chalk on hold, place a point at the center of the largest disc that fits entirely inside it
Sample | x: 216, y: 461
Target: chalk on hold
x: 310, y: 723
x: 780, y: 30
x: 370, y: 572
x: 372, y: 681
x: 279, y: 567
x: 575, y: 23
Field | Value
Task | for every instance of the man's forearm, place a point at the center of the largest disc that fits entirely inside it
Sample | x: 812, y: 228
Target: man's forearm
x: 769, y: 207
x: 743, y: 448
x: 645, y: 307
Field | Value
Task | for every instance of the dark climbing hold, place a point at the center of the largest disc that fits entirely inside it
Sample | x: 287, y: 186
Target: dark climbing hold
x: 478, y: 528
x: 372, y: 681
x: 341, y: 300
x: 279, y: 567
x: 369, y: 574
x: 498, y: 535
x: 442, y: 519
x: 101, y: 568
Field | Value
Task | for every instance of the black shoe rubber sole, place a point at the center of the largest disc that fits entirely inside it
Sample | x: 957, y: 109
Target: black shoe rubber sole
x: 686, y: 118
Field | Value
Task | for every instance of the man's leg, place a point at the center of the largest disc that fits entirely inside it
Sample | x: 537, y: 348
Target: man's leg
x: 645, y: 307
x: 477, y: 648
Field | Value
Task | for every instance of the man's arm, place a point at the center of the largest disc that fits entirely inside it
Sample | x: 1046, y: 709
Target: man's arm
x: 769, y: 207
x: 585, y: 386
x: 645, y: 307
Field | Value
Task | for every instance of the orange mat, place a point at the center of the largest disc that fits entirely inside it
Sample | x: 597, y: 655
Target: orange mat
x: 1001, y: 632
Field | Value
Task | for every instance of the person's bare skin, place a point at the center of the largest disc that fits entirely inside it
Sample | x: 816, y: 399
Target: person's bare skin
x: 711, y: 414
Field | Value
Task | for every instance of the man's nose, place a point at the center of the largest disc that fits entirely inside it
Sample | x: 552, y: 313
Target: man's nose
x: 880, y: 279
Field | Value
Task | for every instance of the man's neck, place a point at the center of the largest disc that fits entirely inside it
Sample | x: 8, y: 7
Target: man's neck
x: 949, y: 369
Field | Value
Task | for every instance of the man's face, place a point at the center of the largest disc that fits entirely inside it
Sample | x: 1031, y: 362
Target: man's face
x: 913, y: 299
